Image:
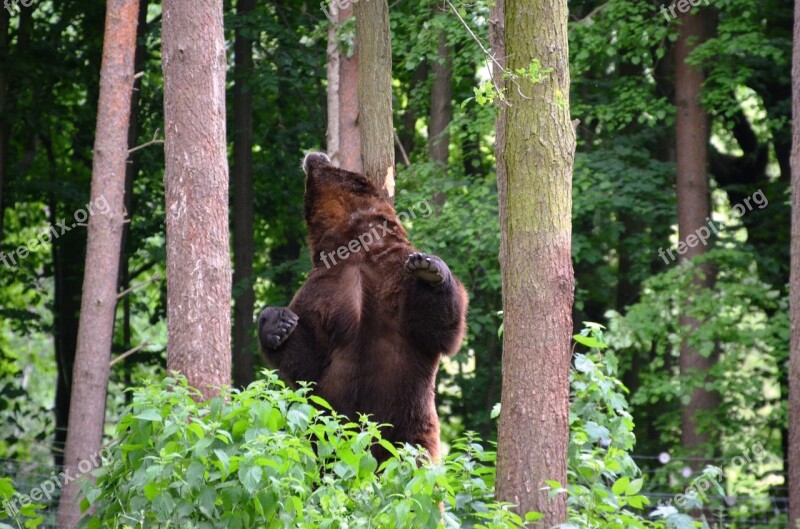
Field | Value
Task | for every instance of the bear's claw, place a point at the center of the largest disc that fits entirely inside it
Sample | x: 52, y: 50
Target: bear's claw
x: 275, y: 325
x: 428, y: 268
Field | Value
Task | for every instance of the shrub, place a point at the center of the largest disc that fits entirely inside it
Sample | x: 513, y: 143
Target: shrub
x: 273, y: 457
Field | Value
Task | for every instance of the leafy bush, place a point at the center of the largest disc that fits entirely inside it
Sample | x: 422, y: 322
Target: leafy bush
x: 604, y: 481
x: 274, y: 457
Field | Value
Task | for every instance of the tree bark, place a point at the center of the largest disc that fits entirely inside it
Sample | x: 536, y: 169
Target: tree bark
x: 343, y: 135
x: 693, y: 209
x: 4, y: 125
x: 131, y: 171
x: 196, y: 185
x: 243, y: 331
x: 535, y: 192
x: 374, y: 47
x: 99, y: 301
x: 794, y: 287
x: 441, y: 104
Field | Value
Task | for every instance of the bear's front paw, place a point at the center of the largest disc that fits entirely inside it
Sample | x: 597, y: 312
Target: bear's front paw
x: 428, y: 268
x: 275, y: 325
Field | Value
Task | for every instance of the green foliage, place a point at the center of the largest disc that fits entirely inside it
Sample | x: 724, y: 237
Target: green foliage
x: 23, y: 514
x: 272, y: 457
x: 741, y: 318
x: 604, y: 483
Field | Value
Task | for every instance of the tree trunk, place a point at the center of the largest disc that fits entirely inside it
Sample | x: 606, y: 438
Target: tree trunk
x: 408, y: 132
x: 4, y: 62
x: 131, y: 171
x: 243, y: 331
x: 441, y: 106
x: 535, y: 194
x: 343, y: 135
x: 693, y: 208
x: 794, y: 287
x: 196, y: 185
x: 374, y: 48
x: 99, y: 301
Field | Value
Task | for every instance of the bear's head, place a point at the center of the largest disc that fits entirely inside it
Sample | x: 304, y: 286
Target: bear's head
x: 340, y: 205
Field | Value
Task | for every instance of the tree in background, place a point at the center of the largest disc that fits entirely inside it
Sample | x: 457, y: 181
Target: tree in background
x: 343, y: 136
x: 196, y: 186
x: 793, y: 450
x: 243, y: 295
x: 374, y: 48
x: 99, y: 301
x: 694, y: 208
x: 441, y: 99
x: 535, y: 158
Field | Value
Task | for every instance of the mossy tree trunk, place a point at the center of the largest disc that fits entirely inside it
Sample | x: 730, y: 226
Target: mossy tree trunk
x: 536, y: 147
x: 374, y: 48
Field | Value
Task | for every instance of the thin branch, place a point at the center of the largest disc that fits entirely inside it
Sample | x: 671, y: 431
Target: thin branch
x: 592, y: 13
x: 126, y: 354
x: 153, y: 278
x: 142, y: 269
x: 406, y: 161
x: 490, y: 56
x: 154, y: 141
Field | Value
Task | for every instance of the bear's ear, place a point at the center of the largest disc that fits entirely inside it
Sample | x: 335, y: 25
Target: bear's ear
x: 315, y: 159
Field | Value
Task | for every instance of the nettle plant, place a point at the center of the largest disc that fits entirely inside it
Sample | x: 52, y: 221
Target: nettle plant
x: 273, y: 457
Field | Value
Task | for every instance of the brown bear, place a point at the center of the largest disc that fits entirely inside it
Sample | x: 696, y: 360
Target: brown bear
x: 372, y: 321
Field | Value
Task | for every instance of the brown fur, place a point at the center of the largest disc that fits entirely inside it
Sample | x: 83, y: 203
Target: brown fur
x: 371, y: 329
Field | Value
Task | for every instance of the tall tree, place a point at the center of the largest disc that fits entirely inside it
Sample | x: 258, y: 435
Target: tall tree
x: 99, y: 301
x: 793, y: 455
x: 374, y: 47
x: 694, y: 207
x: 343, y: 135
x: 441, y: 100
x: 4, y: 125
x: 196, y: 188
x: 243, y: 331
x: 536, y: 143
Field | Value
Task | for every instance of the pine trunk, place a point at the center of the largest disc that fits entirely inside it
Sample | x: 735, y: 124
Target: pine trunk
x: 441, y: 106
x: 535, y: 192
x: 693, y: 209
x: 343, y: 135
x: 4, y: 125
x: 374, y: 47
x: 244, y: 298
x: 104, y: 239
x: 196, y: 182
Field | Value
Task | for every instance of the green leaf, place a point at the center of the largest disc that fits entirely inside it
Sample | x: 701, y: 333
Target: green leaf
x: 634, y: 487
x: 149, y: 415
x: 621, y: 485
